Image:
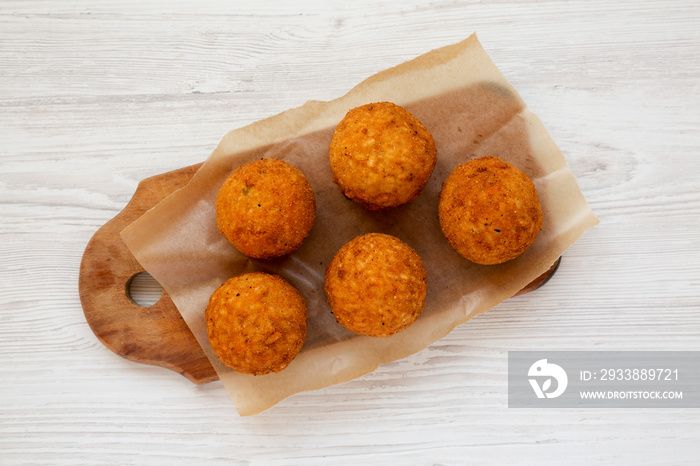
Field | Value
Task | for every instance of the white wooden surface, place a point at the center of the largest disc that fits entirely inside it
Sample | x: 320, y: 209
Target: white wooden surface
x: 95, y: 97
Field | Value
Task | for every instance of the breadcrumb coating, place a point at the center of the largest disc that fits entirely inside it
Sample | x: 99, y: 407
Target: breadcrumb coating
x: 266, y: 208
x: 256, y: 323
x: 489, y: 210
x: 376, y: 285
x: 381, y: 156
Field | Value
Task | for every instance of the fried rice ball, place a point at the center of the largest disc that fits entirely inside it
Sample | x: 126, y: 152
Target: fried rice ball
x: 376, y: 285
x: 256, y: 323
x: 381, y: 156
x: 489, y: 210
x: 266, y: 208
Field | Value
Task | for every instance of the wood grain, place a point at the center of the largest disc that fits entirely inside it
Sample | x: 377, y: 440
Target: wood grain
x: 155, y: 334
x: 97, y: 96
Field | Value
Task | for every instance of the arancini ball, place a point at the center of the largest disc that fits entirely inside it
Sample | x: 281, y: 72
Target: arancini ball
x: 256, y: 323
x: 381, y: 156
x: 266, y: 208
x: 489, y: 210
x: 376, y: 285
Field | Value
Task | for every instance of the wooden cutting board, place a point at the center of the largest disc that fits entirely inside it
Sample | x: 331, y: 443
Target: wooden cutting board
x: 155, y: 334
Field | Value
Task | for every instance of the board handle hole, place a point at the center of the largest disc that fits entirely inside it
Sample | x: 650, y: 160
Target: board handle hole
x: 143, y: 290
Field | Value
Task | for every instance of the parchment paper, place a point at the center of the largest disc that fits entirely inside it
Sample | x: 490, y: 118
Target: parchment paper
x: 471, y: 110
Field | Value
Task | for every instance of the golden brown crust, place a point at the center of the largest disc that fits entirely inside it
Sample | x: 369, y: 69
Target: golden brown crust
x: 376, y: 285
x: 256, y: 323
x: 489, y: 210
x: 381, y: 156
x: 266, y: 208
